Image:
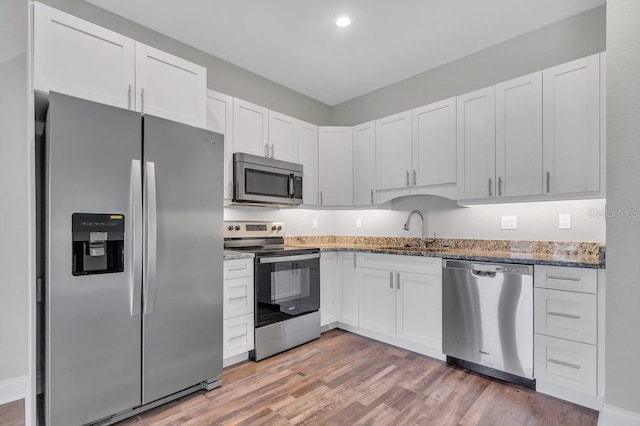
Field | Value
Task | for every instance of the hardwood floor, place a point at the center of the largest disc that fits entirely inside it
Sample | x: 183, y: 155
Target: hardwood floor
x: 12, y: 413
x: 346, y: 379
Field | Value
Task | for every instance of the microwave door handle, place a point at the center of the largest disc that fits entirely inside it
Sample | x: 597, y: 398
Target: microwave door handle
x: 291, y: 181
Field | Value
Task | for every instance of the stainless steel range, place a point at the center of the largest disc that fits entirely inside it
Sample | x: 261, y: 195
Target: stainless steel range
x: 287, y: 286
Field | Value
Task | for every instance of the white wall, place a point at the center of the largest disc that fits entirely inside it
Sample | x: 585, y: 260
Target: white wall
x: 15, y: 255
x: 571, y: 38
x: 622, y: 371
x: 536, y: 221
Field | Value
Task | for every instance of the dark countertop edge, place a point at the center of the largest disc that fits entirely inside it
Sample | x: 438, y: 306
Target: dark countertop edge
x: 445, y: 255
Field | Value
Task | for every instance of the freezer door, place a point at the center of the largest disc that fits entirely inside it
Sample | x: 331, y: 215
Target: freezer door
x: 93, y: 322
x: 182, y: 331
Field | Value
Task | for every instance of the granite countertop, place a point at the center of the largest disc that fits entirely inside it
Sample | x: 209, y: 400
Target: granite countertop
x: 236, y: 254
x: 583, y: 255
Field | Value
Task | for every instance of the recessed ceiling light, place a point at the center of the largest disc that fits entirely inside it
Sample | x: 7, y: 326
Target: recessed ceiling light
x: 343, y: 21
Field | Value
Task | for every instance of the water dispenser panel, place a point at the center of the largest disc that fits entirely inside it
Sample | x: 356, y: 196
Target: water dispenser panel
x: 98, y: 243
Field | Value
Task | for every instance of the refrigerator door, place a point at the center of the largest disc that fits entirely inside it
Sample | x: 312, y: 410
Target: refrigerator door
x: 182, y: 326
x: 93, y: 321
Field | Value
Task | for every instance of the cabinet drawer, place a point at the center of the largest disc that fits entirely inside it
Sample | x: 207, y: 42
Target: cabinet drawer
x: 568, y: 315
x: 238, y: 335
x: 570, y: 279
x: 238, y: 268
x: 238, y: 296
x: 565, y: 363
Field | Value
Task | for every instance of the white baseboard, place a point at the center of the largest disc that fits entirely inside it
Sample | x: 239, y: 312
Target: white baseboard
x: 614, y: 416
x: 235, y: 360
x: 586, y: 400
x: 13, y: 389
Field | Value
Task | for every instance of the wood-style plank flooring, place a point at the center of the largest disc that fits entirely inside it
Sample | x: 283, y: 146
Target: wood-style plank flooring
x: 12, y: 413
x: 346, y: 379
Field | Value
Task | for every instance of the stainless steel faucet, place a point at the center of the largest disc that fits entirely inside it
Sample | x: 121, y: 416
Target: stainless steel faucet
x: 423, y: 236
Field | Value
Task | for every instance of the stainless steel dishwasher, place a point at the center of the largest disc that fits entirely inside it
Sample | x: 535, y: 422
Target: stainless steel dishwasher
x: 487, y: 319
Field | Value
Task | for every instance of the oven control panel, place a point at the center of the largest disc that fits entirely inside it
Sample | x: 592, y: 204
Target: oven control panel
x: 242, y: 229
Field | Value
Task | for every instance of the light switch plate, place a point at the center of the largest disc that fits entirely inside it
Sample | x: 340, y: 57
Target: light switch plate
x: 358, y: 223
x: 315, y: 223
x: 509, y: 222
x: 564, y: 221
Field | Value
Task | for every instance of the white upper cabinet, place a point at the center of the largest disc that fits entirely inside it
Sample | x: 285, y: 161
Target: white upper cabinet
x: 170, y: 87
x: 335, y: 159
x: 393, y: 151
x: 81, y: 59
x: 364, y: 163
x: 519, y: 136
x: 250, y: 128
x: 283, y: 137
x: 434, y: 144
x: 571, y: 132
x: 476, y: 138
x: 220, y: 120
x: 308, y: 157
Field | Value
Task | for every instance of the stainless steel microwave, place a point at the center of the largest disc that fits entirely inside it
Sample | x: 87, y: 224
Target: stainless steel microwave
x: 260, y: 180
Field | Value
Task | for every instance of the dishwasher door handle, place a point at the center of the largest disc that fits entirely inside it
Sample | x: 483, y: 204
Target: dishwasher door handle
x: 483, y: 274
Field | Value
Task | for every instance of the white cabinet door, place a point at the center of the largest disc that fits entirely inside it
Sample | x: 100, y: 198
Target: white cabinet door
x: 476, y: 138
x: 419, y: 309
x: 335, y: 158
x: 220, y: 120
x: 308, y: 157
x: 329, y: 276
x: 434, y: 143
x: 393, y: 151
x: 364, y: 163
x: 237, y: 335
x: 283, y: 137
x: 250, y: 128
x: 571, y: 132
x: 170, y: 87
x: 81, y: 59
x: 519, y: 136
x: 377, y: 301
x: 348, y: 296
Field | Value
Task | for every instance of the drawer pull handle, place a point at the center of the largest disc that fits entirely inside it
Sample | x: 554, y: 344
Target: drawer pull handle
x: 237, y: 337
x: 242, y: 268
x: 233, y: 299
x: 564, y: 364
x: 553, y: 277
x: 560, y: 314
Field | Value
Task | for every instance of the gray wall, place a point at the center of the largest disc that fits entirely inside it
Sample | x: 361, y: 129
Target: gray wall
x: 14, y: 190
x: 222, y: 76
x: 554, y: 44
x: 623, y: 192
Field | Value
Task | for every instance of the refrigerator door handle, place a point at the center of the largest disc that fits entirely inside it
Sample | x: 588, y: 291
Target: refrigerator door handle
x: 151, y: 235
x: 135, y: 278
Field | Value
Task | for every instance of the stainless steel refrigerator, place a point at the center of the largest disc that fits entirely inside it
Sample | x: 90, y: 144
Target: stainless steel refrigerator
x: 133, y: 244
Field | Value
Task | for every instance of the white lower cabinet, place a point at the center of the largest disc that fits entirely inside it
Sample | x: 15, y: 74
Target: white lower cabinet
x: 348, y: 297
x: 569, y: 333
x: 338, y: 289
x: 377, y: 301
x: 419, y: 309
x: 238, y: 310
x: 400, y: 301
x: 329, y: 277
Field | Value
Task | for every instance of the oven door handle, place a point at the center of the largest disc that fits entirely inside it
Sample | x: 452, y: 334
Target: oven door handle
x: 278, y: 259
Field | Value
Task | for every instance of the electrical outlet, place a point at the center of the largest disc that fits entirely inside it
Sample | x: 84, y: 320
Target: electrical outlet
x: 564, y: 221
x: 358, y: 223
x: 315, y: 223
x: 509, y: 222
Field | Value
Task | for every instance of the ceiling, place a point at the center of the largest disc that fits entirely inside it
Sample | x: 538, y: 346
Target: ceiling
x: 297, y: 44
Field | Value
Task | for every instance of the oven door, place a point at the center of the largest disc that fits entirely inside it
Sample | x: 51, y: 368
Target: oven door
x: 286, y: 287
x: 257, y: 183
